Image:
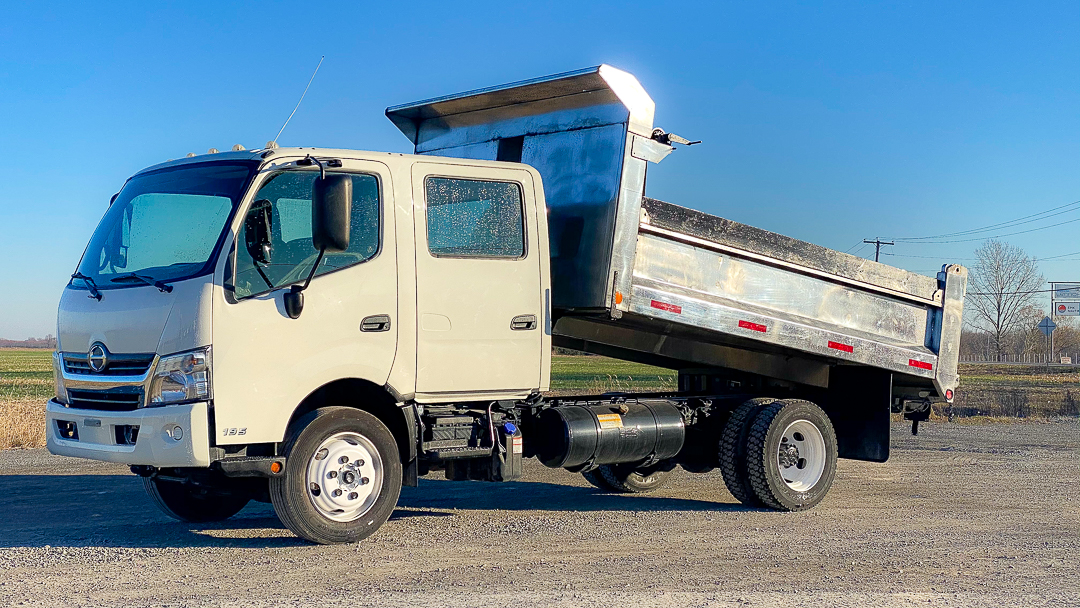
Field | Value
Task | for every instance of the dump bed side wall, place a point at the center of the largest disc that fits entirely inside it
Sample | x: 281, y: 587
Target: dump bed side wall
x: 749, y: 288
x: 747, y: 238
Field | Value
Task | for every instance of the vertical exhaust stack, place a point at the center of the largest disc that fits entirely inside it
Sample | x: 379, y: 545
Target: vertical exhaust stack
x: 590, y: 135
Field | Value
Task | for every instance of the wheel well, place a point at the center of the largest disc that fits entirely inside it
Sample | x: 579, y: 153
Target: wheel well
x: 367, y: 396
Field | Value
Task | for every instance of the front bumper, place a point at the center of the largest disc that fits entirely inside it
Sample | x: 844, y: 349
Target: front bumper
x: 99, y: 439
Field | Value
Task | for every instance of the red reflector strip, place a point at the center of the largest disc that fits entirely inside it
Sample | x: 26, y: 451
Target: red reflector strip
x: 920, y: 364
x: 752, y: 326
x: 844, y: 347
x: 666, y: 307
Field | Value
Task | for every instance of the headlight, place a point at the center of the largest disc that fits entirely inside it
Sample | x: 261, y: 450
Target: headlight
x: 181, y: 378
x: 58, y: 377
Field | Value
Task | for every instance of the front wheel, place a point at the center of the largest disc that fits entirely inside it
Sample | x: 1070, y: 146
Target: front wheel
x: 193, y: 503
x: 791, y: 455
x: 342, y: 476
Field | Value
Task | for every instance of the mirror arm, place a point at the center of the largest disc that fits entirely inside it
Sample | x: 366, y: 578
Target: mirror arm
x: 318, y: 260
x: 294, y: 298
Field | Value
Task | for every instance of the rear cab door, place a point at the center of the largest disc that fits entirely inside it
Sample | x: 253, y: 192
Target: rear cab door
x: 481, y: 268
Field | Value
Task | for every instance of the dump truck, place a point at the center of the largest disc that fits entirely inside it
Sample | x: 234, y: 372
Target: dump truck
x: 316, y: 328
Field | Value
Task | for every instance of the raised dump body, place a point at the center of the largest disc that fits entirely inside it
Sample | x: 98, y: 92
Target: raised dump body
x: 645, y: 280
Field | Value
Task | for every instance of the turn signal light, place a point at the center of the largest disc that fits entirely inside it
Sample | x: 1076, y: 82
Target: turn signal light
x: 275, y: 467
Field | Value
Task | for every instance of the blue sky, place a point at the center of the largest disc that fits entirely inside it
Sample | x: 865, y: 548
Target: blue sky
x: 830, y: 122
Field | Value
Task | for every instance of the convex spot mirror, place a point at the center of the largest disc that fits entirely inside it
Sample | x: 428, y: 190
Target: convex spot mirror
x: 257, y: 231
x: 331, y: 204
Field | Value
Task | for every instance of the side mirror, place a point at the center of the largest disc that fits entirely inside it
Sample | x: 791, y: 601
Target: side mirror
x: 257, y: 231
x: 331, y: 204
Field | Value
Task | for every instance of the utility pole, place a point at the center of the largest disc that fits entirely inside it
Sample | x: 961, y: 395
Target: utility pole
x: 877, y: 243
x: 1053, y: 310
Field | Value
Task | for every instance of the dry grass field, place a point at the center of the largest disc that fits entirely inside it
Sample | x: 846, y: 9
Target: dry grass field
x: 1023, y: 391
x: 26, y: 382
x: 987, y: 391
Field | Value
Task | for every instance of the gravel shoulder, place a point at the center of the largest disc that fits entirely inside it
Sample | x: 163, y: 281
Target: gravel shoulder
x: 962, y: 515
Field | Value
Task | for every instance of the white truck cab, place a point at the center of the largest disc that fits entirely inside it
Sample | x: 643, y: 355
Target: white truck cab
x: 418, y: 328
x: 317, y: 327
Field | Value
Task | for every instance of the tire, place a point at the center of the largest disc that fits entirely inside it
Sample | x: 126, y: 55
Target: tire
x: 594, y: 478
x: 193, y: 504
x: 359, y: 467
x: 733, y: 451
x: 791, y: 455
x: 629, y: 479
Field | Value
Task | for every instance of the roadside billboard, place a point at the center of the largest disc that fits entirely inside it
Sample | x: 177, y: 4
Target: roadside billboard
x: 1067, y: 309
x: 1067, y: 291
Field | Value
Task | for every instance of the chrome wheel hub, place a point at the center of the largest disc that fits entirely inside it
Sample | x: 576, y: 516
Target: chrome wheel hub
x: 344, y: 476
x: 801, y: 456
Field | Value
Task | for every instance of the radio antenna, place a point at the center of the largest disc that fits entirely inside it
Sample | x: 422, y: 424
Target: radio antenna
x: 274, y: 141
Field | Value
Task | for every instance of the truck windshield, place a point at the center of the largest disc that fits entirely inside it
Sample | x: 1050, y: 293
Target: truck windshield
x: 165, y: 225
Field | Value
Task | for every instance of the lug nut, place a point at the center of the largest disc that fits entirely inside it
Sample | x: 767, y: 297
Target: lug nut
x: 343, y: 459
x: 332, y: 474
x: 364, y: 481
x: 336, y: 492
x: 360, y: 462
x: 353, y: 495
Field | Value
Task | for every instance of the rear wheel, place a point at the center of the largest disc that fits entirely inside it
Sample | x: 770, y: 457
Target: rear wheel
x: 342, y: 476
x: 193, y: 503
x: 597, y: 481
x: 632, y: 479
x: 733, y: 451
x: 791, y: 455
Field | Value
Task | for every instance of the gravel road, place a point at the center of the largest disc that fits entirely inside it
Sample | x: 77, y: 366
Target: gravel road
x: 960, y: 516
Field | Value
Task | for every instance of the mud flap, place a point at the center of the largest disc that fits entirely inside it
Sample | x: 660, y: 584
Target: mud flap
x: 858, y: 404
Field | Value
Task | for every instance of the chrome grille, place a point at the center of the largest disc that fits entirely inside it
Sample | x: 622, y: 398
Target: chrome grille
x: 118, y: 365
x: 115, y: 400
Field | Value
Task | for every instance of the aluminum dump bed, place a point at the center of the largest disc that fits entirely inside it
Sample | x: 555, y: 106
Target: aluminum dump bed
x: 646, y: 280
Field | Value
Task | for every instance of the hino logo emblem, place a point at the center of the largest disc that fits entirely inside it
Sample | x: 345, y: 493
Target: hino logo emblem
x: 98, y: 357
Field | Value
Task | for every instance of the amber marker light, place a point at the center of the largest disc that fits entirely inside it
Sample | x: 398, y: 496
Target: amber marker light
x: 275, y: 467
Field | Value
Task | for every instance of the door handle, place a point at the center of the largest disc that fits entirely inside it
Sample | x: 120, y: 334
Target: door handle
x: 375, y: 323
x: 523, y: 322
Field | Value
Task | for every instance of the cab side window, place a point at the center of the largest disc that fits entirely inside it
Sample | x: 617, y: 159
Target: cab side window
x: 474, y: 218
x: 292, y: 254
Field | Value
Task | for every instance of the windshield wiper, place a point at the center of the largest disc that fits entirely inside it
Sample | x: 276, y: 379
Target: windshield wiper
x: 90, y: 285
x: 163, y: 287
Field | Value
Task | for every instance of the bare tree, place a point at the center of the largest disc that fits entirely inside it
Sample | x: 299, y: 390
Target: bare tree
x: 1004, y: 281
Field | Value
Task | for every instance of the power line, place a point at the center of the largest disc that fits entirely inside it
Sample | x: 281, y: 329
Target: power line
x: 1027, y: 219
x: 938, y: 257
x: 983, y: 238
x: 1007, y: 293
x: 858, y: 244
x: 1054, y: 257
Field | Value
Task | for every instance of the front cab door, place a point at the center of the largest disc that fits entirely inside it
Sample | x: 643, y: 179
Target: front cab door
x: 265, y: 363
